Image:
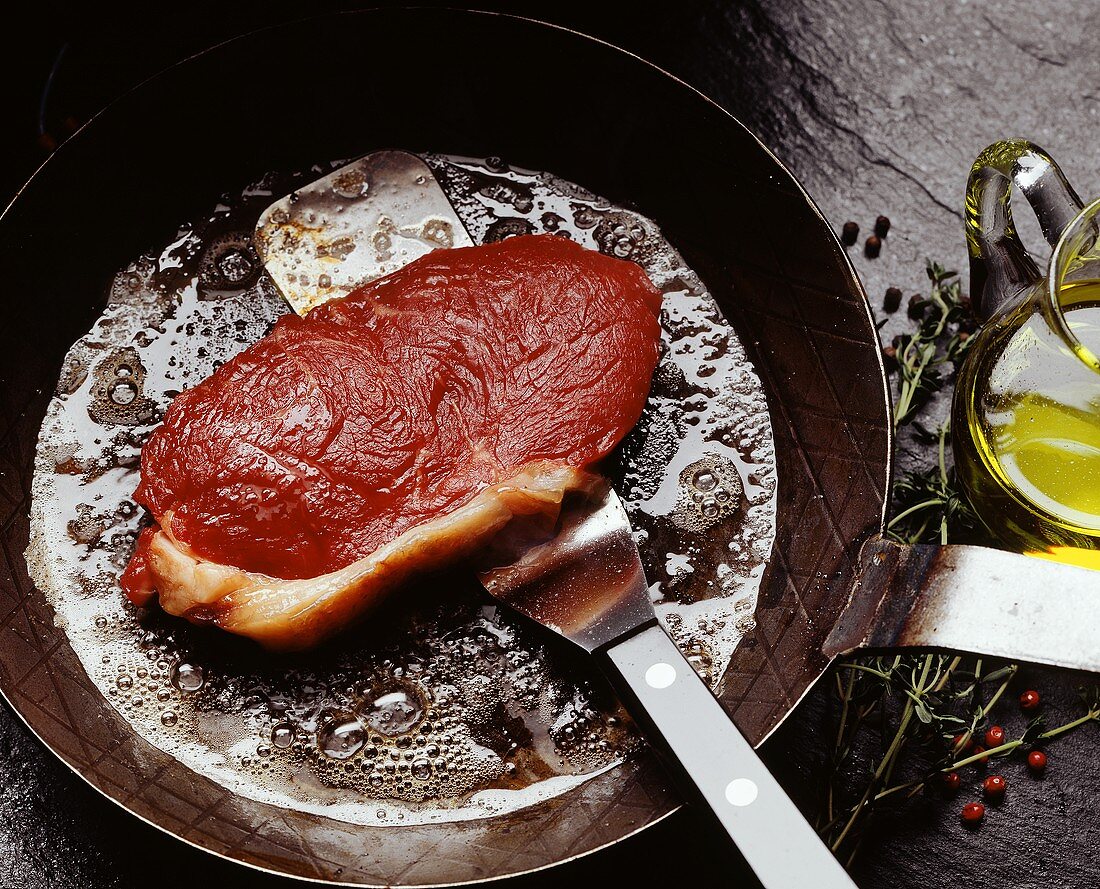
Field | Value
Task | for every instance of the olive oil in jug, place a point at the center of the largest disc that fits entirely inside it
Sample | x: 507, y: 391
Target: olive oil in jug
x: 1026, y: 414
x: 1027, y: 428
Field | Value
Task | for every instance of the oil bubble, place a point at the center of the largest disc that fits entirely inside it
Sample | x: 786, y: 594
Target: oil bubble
x: 282, y: 735
x: 705, y: 480
x: 122, y: 392
x: 340, y: 736
x: 188, y: 677
x: 395, y: 712
x: 235, y: 265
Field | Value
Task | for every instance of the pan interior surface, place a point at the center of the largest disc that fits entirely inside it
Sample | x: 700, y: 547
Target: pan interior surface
x: 443, y: 707
x: 735, y: 214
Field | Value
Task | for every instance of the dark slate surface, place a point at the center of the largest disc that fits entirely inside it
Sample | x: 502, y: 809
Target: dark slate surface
x: 878, y: 106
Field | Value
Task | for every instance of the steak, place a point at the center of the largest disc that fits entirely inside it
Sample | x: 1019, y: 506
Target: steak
x: 389, y: 432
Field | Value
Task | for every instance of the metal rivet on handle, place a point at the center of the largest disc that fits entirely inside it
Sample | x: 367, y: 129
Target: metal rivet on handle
x: 741, y: 792
x: 660, y: 675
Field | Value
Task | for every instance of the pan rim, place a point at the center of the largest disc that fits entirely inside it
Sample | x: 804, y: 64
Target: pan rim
x: 855, y: 285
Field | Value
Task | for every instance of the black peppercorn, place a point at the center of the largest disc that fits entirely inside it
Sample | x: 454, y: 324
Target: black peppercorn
x: 882, y: 226
x: 890, y: 359
x: 872, y: 247
x: 892, y: 299
x: 849, y: 233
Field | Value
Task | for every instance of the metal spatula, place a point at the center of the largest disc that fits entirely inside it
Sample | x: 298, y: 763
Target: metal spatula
x: 586, y: 582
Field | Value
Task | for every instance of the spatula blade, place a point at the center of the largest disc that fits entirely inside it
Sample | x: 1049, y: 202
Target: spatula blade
x: 586, y: 582
x: 358, y: 223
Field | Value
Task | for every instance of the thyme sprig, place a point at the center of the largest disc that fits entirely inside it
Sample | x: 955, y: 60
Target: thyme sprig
x: 943, y: 337
x: 928, y: 503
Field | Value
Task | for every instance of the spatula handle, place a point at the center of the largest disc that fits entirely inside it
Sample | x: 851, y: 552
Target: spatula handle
x: 719, y: 766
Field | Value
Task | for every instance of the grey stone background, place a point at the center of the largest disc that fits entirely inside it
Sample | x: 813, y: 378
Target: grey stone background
x: 879, y: 107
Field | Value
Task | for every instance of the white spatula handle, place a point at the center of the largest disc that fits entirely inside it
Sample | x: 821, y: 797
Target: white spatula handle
x: 719, y: 766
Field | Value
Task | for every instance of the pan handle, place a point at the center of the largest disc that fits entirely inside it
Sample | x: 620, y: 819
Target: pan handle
x: 718, y: 765
x: 971, y: 598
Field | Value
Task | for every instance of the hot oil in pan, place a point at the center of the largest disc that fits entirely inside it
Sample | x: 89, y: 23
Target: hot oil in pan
x: 442, y: 707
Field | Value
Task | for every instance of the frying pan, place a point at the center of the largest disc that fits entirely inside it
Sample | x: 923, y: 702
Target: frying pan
x: 547, y: 99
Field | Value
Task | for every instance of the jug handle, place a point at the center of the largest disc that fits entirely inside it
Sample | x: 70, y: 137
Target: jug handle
x: 1000, y: 266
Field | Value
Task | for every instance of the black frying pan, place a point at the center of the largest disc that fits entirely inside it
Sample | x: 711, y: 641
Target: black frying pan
x: 546, y: 99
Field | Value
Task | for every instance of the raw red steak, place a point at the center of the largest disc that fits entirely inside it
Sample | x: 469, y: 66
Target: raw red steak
x: 392, y: 429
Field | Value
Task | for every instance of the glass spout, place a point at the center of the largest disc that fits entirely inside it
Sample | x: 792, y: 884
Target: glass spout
x: 1076, y: 258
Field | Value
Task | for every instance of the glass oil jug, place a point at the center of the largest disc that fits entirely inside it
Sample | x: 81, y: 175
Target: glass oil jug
x: 1026, y: 413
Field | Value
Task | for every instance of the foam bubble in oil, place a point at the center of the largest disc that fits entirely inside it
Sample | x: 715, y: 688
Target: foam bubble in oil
x: 451, y: 710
